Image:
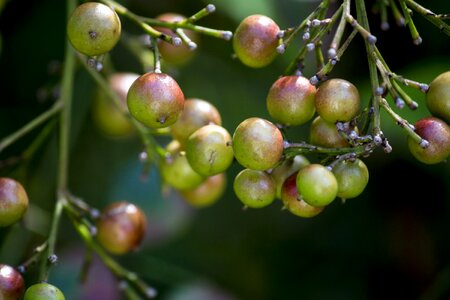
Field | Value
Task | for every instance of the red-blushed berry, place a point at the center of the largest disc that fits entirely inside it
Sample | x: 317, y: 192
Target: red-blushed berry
x: 13, y: 201
x: 207, y: 193
x: 352, y: 178
x: 254, y: 188
x: 43, y: 291
x: 317, y: 185
x: 286, y: 169
x: 12, y: 284
x: 438, y: 97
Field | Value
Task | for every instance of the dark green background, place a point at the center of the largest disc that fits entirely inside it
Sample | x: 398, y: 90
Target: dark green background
x: 391, y: 242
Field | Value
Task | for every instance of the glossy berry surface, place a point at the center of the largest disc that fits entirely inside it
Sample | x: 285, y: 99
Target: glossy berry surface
x: 209, y: 151
x: 196, y: 113
x: 121, y: 227
x: 207, y: 193
x: 155, y: 99
x: 12, y: 284
x: 257, y: 144
x: 255, y: 41
x: 317, y: 185
x: 254, y: 188
x: 290, y: 100
x: 43, y: 291
x: 337, y: 100
x: 352, y: 178
x: 93, y: 28
x: 325, y: 134
x: 437, y: 133
x: 438, y: 97
x: 288, y: 167
x: 13, y: 201
x: 293, y: 202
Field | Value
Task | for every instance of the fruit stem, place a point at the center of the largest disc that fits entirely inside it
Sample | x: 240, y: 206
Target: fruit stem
x: 412, y: 28
x: 293, y: 149
x: 399, y: 19
x: 156, y: 55
x: 430, y: 16
x: 338, y: 34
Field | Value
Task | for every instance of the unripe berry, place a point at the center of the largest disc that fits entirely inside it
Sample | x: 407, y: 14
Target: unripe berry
x: 43, y: 291
x: 325, y: 134
x: 438, y: 97
x: 13, y: 201
x: 317, y: 185
x: 288, y: 167
x: 254, y: 188
x: 207, y: 193
x: 352, y: 178
x: 12, y: 284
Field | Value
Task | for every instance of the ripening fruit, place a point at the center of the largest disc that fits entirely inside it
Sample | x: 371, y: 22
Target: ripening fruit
x: 438, y: 97
x: 437, y: 133
x: 13, y: 201
x: 93, y: 28
x: 176, y: 55
x: 337, y: 100
x: 12, y: 284
x: 352, y: 178
x: 209, y: 151
x: 286, y: 169
x: 317, y: 185
x: 325, y: 134
x: 291, y: 100
x: 207, y: 193
x: 43, y: 291
x: 254, y: 188
x: 255, y: 41
x: 257, y: 144
x: 196, y: 113
x: 293, y: 201
x: 110, y: 119
x: 121, y: 227
x: 155, y: 100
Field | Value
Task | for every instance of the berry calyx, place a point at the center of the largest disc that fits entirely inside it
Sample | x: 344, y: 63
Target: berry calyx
x: 317, y: 185
x: 438, y: 97
x: 93, y: 28
x: 255, y: 41
x: 13, y: 201
x: 256, y: 189
x: 352, y: 178
x: 155, y: 99
x: 12, y: 284
x: 43, y: 291
x: 121, y: 227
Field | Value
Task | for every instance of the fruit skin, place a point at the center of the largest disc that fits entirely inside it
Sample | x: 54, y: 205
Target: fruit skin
x: 207, y: 193
x: 176, y: 55
x: 317, y: 185
x: 12, y: 284
x: 209, y: 151
x: 294, y: 203
x: 93, y: 28
x: 43, y: 291
x: 352, y: 178
x: 290, y: 100
x: 288, y: 167
x: 254, y: 188
x: 325, y: 134
x: 437, y: 133
x: 337, y: 100
x: 155, y: 99
x: 121, y: 227
x: 438, y: 97
x: 255, y: 41
x: 13, y: 201
x: 257, y: 144
x: 196, y: 114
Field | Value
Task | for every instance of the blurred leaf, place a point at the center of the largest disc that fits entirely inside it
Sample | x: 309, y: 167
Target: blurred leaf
x: 238, y: 9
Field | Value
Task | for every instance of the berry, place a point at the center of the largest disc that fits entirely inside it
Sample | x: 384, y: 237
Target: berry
x: 257, y: 144
x: 43, y: 291
x: 438, y: 97
x: 207, y: 193
x: 107, y: 116
x: 121, y: 227
x: 286, y: 169
x: 337, y: 100
x: 352, y: 178
x: 13, y: 201
x: 437, y: 133
x: 176, y: 55
x: 12, y: 284
x: 325, y: 134
x: 317, y: 185
x: 155, y: 100
x: 254, y: 188
x: 93, y: 28
x: 209, y: 150
x: 196, y: 113
x: 291, y: 100
x: 255, y: 41
x: 293, y: 202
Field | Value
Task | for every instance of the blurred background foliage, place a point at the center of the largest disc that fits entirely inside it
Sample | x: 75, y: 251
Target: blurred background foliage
x: 393, y: 241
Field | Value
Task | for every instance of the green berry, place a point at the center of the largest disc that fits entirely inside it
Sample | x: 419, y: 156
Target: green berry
x: 12, y: 284
x: 254, y: 188
x: 207, y: 193
x: 317, y: 185
x: 291, y: 100
x: 155, y: 100
x: 438, y: 97
x: 13, y: 201
x: 352, y: 178
x: 43, y: 291
x: 325, y: 134
x: 93, y: 28
x: 257, y: 144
